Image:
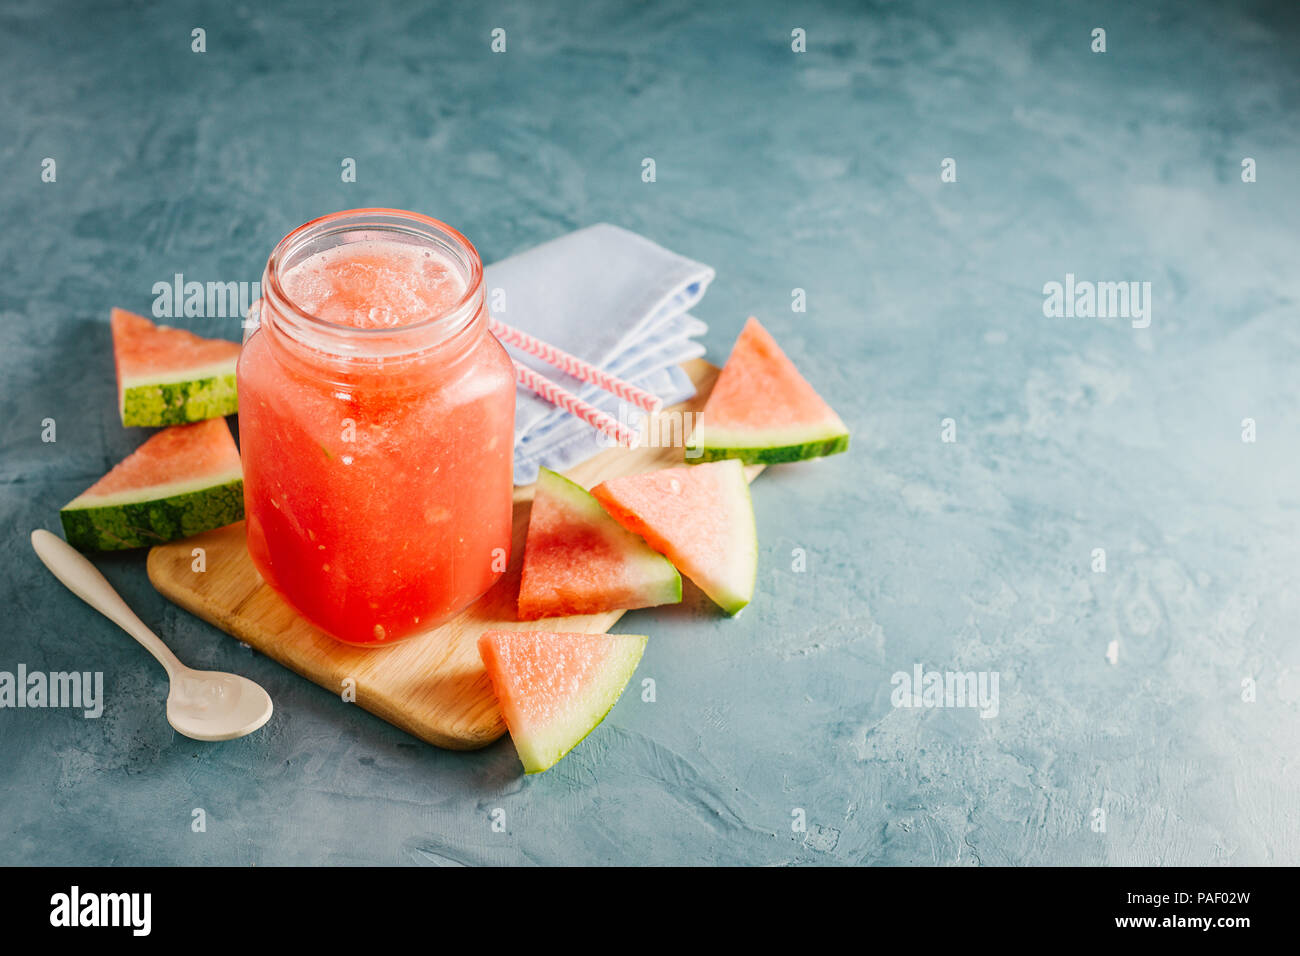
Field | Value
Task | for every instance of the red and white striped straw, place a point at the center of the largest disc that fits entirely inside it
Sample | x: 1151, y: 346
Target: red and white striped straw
x: 574, y: 366
x: 575, y: 406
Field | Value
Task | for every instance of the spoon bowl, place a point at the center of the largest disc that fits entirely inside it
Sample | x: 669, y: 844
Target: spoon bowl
x: 214, y: 705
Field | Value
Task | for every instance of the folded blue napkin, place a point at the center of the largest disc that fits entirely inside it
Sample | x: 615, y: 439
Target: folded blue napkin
x: 613, y: 299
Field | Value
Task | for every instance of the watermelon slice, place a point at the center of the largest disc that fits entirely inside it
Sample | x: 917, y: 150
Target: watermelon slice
x: 183, y: 480
x: 701, y: 517
x: 579, y: 560
x: 762, y: 411
x: 169, y: 376
x: 555, y: 688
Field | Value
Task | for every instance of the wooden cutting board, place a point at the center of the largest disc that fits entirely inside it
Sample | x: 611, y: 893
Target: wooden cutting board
x: 434, y: 685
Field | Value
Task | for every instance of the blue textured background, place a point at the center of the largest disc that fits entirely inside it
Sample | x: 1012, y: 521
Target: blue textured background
x: 818, y: 171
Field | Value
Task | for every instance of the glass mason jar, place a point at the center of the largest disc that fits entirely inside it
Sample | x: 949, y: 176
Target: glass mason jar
x: 377, y: 460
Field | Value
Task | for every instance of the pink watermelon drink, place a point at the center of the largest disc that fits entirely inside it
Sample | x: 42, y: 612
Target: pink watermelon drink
x: 376, y: 427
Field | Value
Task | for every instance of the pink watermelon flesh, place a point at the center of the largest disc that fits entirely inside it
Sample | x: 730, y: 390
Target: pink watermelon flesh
x: 183, y: 480
x: 555, y: 688
x: 579, y: 560
x: 701, y: 517
x: 761, y: 410
x: 169, y: 376
x: 173, y: 456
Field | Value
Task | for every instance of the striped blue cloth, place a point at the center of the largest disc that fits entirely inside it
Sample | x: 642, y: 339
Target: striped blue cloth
x: 612, y: 298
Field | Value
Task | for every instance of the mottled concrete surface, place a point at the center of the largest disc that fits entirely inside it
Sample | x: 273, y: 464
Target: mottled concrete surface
x: 819, y: 171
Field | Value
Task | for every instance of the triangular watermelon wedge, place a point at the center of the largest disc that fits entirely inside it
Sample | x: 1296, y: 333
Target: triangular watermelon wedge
x: 168, y: 376
x: 762, y: 411
x: 555, y: 688
x: 701, y: 517
x: 183, y: 480
x: 579, y: 560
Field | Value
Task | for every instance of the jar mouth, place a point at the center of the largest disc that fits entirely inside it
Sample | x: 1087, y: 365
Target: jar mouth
x: 318, y: 234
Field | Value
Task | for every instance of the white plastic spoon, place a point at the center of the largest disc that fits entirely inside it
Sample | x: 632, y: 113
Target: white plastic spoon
x: 205, y: 705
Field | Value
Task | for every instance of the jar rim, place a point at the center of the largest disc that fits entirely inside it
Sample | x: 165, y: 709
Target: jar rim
x: 274, y: 291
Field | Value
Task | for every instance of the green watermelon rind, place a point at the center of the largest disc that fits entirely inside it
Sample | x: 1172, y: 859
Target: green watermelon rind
x: 542, y: 748
x: 155, y: 404
x: 734, y: 602
x: 153, y: 519
x: 664, y: 584
x: 755, y: 447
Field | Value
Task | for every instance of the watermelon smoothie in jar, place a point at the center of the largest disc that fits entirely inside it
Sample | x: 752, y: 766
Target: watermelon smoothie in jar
x: 376, y: 425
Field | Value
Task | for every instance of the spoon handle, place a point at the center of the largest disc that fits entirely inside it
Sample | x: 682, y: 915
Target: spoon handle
x: 84, y: 580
